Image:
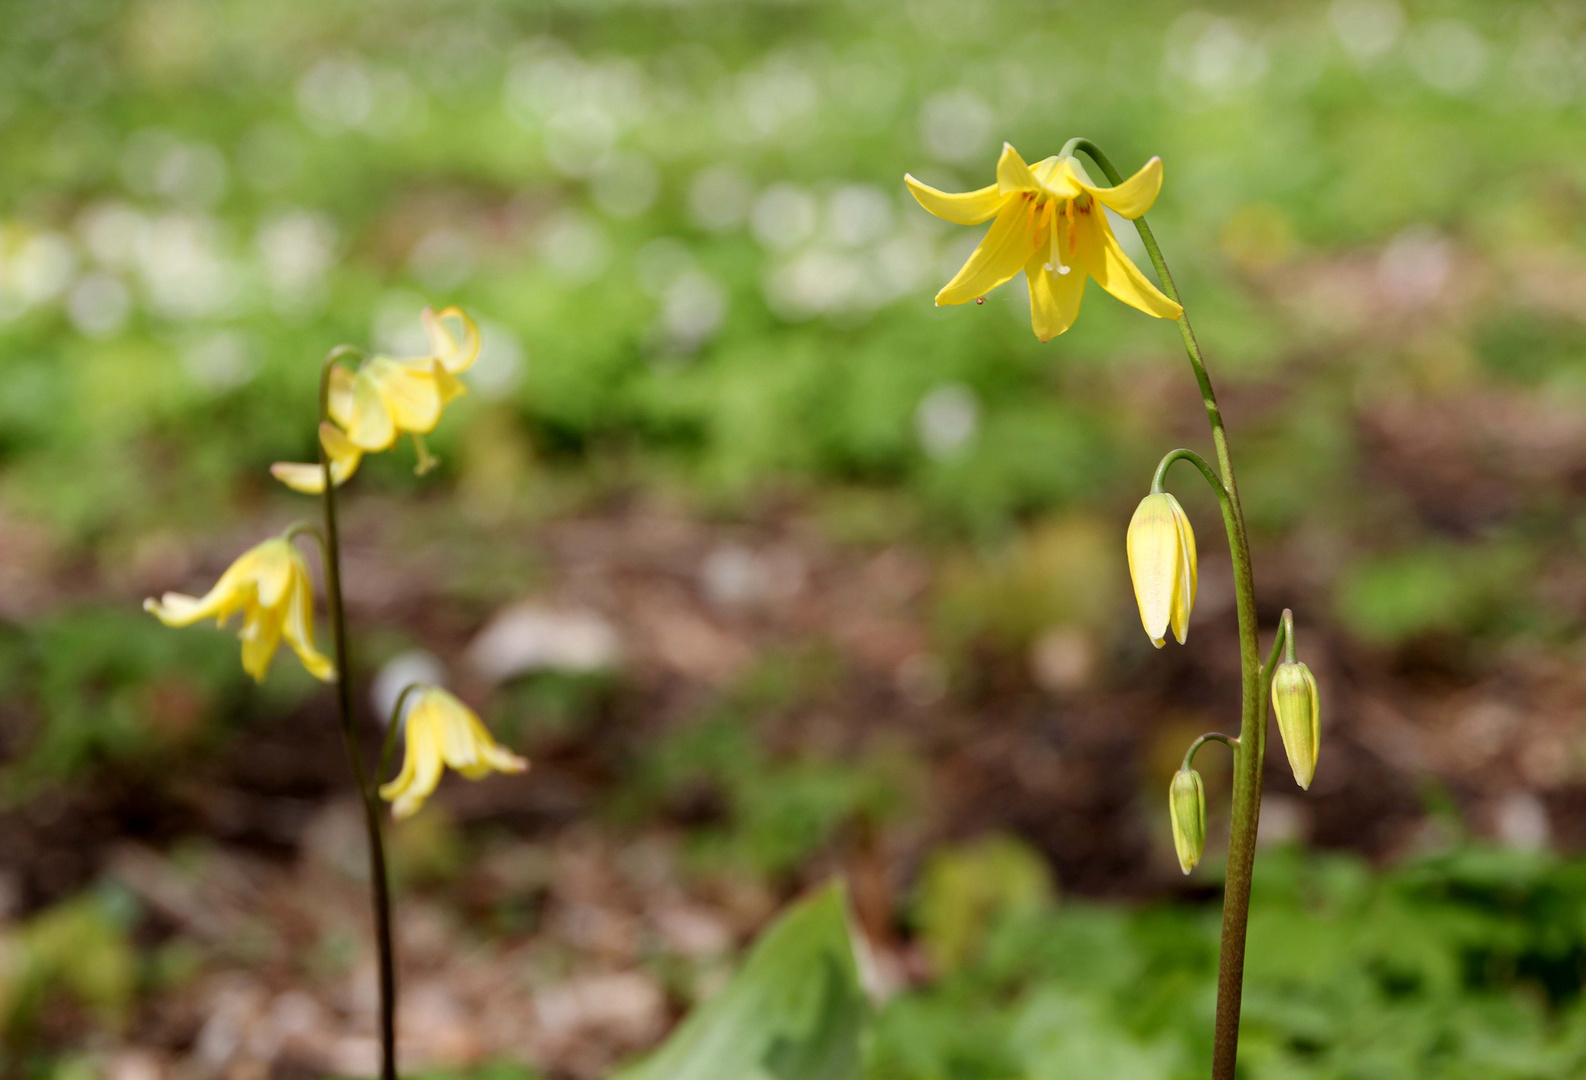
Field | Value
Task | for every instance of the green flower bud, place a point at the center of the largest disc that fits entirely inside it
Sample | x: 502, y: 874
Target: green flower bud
x: 1299, y: 712
x: 1187, y: 806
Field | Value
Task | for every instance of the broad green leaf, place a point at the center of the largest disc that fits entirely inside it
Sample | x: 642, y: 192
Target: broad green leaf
x: 793, y: 1012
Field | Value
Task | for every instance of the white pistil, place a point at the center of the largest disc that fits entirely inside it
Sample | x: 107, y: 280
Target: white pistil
x: 1055, y: 264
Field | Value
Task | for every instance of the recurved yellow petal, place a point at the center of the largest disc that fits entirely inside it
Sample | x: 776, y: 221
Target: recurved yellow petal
x: 1006, y: 248
x: 456, y: 356
x: 1135, y: 195
x: 1013, y: 175
x: 408, y: 389
x: 1104, y: 260
x: 967, y: 208
x: 310, y: 478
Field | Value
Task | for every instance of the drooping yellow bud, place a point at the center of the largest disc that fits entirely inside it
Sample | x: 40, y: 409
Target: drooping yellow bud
x: 1299, y: 711
x: 1187, y: 807
x: 1163, y: 566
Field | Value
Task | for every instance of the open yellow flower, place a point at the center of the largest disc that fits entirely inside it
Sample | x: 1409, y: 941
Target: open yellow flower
x: 1047, y: 220
x: 386, y: 398
x: 269, y: 584
x: 443, y: 731
x: 1163, y: 566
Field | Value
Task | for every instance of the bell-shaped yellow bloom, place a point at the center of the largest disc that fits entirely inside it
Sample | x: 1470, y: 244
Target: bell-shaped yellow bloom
x: 1299, y: 710
x: 1187, y: 807
x: 270, y: 586
x: 386, y: 398
x: 443, y: 731
x: 1047, y: 220
x: 1163, y: 566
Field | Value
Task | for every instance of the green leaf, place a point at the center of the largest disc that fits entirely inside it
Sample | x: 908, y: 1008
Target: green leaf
x: 793, y: 1012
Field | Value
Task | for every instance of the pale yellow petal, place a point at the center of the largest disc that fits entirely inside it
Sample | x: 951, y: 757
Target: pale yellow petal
x: 457, y: 743
x: 298, y: 626
x: 1013, y: 175
x: 1135, y: 195
x: 300, y: 476
x: 1097, y: 250
x: 448, y: 385
x: 370, y: 426
x: 272, y: 572
x: 421, y: 770
x: 342, y: 396
x: 232, y: 592
x: 1187, y: 576
x: 1056, y: 177
x: 1154, y: 551
x: 399, y: 783
x: 453, y: 355
x: 1056, y: 286
x: 967, y: 208
x: 1007, y: 246
x: 261, y: 634
x: 408, y: 389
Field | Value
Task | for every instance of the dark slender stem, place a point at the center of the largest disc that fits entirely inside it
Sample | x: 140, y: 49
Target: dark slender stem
x: 1252, y: 729
x: 379, y: 882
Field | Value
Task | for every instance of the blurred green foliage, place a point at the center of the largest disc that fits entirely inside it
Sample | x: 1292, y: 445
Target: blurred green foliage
x: 107, y: 690
x: 1469, y: 965
x: 78, y: 951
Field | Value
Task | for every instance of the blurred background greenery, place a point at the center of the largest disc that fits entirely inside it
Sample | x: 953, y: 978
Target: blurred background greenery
x: 776, y: 570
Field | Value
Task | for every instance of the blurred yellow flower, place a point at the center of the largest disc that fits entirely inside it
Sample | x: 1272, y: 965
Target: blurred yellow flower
x: 270, y: 586
x: 1298, y: 706
x: 443, y: 731
x: 386, y: 398
x: 1047, y: 220
x: 1163, y: 566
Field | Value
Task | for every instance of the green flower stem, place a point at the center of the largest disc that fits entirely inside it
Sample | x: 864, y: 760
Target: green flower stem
x: 1159, y: 478
x: 1211, y: 736
x: 379, y: 882
x: 1252, y: 729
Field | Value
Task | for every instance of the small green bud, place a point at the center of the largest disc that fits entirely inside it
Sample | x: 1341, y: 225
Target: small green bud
x: 1299, y: 712
x: 1187, y: 806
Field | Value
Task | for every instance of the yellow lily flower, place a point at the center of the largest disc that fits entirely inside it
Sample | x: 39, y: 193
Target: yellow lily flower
x: 269, y: 584
x: 386, y: 398
x: 1163, y: 566
x: 443, y: 731
x: 1047, y: 220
